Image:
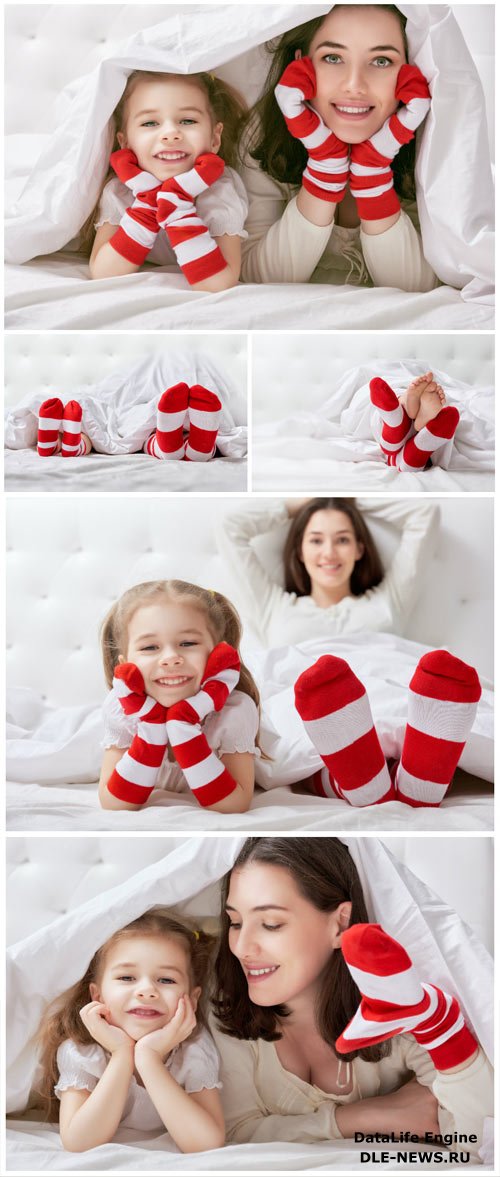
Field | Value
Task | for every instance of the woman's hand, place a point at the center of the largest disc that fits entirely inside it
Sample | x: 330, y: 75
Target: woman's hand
x: 95, y: 1017
x: 163, y: 1041
x: 325, y: 176
x: 414, y: 1109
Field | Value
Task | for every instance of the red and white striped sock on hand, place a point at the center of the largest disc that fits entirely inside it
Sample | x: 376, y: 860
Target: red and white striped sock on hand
x: 135, y: 775
x: 73, y: 445
x: 49, y: 425
x: 205, y: 774
x: 197, y: 254
x: 334, y: 707
x: 204, y: 413
x: 138, y: 228
x: 395, y: 1001
x: 168, y: 440
x: 442, y: 704
x: 418, y: 451
x: 371, y: 178
x: 327, y: 168
x: 393, y: 426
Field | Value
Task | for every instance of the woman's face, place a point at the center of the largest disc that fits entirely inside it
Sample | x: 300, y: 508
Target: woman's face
x: 357, y: 54
x: 329, y: 551
x: 281, y: 940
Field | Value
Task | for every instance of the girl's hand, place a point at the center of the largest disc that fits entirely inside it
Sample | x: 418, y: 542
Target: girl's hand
x: 220, y: 677
x: 135, y: 774
x: 138, y: 227
x: 205, y: 774
x: 325, y: 176
x: 197, y: 254
x: 163, y: 1041
x: 95, y: 1017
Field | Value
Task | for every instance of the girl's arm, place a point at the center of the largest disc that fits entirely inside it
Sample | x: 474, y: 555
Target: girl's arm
x: 111, y: 758
x: 104, y: 261
x: 241, y: 766
x: 90, y: 1118
x: 195, y: 1121
x: 230, y: 247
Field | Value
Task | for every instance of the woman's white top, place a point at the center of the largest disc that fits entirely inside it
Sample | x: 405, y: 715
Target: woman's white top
x: 194, y: 1064
x: 282, y: 246
x: 283, y: 619
x: 223, y: 209
x: 234, y: 729
x: 264, y: 1102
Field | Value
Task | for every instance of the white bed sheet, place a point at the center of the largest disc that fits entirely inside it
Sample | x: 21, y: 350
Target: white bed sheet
x: 130, y: 472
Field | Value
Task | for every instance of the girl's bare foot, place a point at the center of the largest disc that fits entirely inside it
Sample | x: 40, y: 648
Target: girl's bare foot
x: 411, y: 398
x: 431, y: 403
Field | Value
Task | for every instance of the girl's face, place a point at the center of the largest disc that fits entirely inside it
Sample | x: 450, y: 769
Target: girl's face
x: 330, y: 550
x: 281, y: 940
x: 170, y: 643
x: 168, y: 124
x: 357, y: 54
x: 142, y: 981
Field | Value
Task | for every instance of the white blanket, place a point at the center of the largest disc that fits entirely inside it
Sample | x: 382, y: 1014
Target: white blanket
x: 52, y: 751
x: 444, y: 950
x: 321, y: 450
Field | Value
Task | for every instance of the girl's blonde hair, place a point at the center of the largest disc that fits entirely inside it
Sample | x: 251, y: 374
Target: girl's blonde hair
x: 62, y: 1019
x: 226, y: 106
x: 222, y: 620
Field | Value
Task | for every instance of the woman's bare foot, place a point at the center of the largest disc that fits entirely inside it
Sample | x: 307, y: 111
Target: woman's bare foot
x: 431, y: 403
x: 411, y: 398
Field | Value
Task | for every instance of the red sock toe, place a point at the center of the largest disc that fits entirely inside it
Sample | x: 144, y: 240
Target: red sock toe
x: 49, y: 424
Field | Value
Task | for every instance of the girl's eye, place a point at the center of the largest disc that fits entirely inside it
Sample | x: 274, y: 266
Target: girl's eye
x: 147, y: 649
x: 186, y: 643
x: 125, y: 978
x: 167, y: 980
x: 189, y: 122
x: 149, y: 123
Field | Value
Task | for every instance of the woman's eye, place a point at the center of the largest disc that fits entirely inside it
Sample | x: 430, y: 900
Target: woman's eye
x: 231, y: 926
x: 382, y: 62
x: 332, y: 58
x: 272, y: 927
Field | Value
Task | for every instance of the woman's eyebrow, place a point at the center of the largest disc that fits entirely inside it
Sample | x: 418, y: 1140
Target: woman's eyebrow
x: 374, y: 49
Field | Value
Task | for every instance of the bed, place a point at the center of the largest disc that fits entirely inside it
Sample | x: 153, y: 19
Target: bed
x: 427, y: 889
x: 47, y: 286
x: 118, y: 382
x: 314, y: 433
x: 68, y: 559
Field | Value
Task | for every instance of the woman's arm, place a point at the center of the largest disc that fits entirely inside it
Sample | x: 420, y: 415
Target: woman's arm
x: 284, y: 243
x: 104, y: 261
x: 413, y: 1108
x: 241, y: 766
x: 417, y: 523
x: 257, y: 592
x: 195, y: 1121
x: 90, y: 1118
x: 394, y: 255
x: 230, y: 247
x: 111, y: 758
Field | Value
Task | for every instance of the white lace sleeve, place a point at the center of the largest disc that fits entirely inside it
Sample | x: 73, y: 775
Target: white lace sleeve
x: 115, y: 198
x: 79, y: 1066
x: 119, y: 729
x: 235, y: 728
x: 196, y: 1064
x: 223, y: 208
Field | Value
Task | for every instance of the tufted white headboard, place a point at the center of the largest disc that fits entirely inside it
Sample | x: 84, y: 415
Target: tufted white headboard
x: 44, y: 362
x: 291, y: 372
x: 69, y: 558
x: 53, y: 44
x: 458, y: 870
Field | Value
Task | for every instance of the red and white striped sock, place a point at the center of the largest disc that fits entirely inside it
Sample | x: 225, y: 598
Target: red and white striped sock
x: 73, y: 445
x: 323, y: 784
x: 135, y: 775
x: 417, y: 452
x: 168, y: 441
x: 325, y: 175
x: 205, y: 774
x: 443, y: 697
x: 395, y: 1001
x: 371, y: 177
x: 204, y: 416
x: 49, y: 425
x: 334, y: 707
x: 197, y: 254
x: 393, y: 426
x: 139, y: 228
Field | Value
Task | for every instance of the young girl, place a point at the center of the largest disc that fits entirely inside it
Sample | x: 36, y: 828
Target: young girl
x: 298, y: 1062
x: 413, y: 428
x: 171, y: 197
x: 127, y: 1045
x: 170, y: 652
x: 329, y: 153
x: 187, y: 423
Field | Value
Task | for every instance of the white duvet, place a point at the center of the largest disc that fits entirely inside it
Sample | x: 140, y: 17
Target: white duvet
x: 334, y: 447
x: 53, y: 755
x: 48, y: 203
x: 443, y: 948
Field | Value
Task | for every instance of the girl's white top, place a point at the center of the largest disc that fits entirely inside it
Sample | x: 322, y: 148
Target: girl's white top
x: 194, y: 1064
x: 223, y: 209
x: 234, y: 729
x: 283, y: 619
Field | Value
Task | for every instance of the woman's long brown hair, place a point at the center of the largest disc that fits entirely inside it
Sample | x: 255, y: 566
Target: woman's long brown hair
x: 326, y: 876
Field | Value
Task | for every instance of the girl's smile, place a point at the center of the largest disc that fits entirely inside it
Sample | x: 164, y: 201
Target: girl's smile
x: 168, y: 124
x: 142, y: 981
x: 169, y: 642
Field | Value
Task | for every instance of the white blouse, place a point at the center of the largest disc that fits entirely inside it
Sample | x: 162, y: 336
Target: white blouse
x: 223, y: 209
x: 283, y: 618
x: 234, y: 729
x: 194, y: 1064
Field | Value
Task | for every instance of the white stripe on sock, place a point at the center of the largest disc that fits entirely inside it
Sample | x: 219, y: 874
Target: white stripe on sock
x: 441, y: 718
x: 338, y: 730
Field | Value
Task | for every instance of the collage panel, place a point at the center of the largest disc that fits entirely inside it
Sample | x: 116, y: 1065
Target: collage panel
x: 253, y: 982
x: 347, y: 646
